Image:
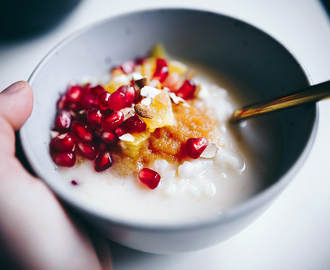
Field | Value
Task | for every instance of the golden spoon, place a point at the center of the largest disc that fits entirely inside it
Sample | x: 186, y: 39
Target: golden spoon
x: 306, y: 95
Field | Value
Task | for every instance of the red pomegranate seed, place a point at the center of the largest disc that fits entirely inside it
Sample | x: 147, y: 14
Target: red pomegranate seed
x: 128, y: 67
x: 63, y: 142
x: 73, y: 182
x: 140, y: 60
x: 96, y: 90
x: 88, y: 101
x: 87, y: 150
x: 129, y: 92
x: 136, y: 124
x: 74, y: 93
x: 186, y: 91
x: 149, y: 177
x: 196, y: 146
x: 161, y: 71
x: 113, y: 120
x: 102, y: 146
x: 82, y: 131
x: 108, y: 137
x: 63, y: 121
x: 94, y: 116
x: 64, y: 159
x: 103, y: 162
x: 117, y: 101
x: 103, y: 100
x: 62, y: 102
x: 122, y: 129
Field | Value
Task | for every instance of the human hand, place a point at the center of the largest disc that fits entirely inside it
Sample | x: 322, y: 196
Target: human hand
x: 35, y: 230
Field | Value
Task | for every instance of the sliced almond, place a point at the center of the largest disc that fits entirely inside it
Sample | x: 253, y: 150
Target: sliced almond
x: 146, y: 101
x: 142, y: 82
x: 210, y: 151
x: 127, y: 137
x: 128, y: 112
x: 162, y: 98
x: 54, y: 134
x: 149, y: 91
x: 176, y: 99
x: 155, y: 83
x: 144, y: 111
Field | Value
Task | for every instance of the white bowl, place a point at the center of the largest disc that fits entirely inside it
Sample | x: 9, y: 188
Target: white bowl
x: 247, y: 55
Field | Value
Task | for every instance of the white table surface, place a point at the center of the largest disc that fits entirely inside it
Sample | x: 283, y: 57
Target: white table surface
x: 295, y: 232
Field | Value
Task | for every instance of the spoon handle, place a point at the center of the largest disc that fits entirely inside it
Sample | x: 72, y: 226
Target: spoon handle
x: 303, y: 96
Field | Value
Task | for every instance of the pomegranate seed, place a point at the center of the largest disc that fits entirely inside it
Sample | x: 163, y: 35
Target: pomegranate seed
x: 129, y: 92
x: 88, y: 101
x: 122, y: 129
x: 64, y: 159
x: 102, y: 146
x: 140, y: 60
x: 63, y: 121
x: 82, y: 131
x: 87, y: 150
x: 136, y: 124
x: 128, y: 67
x: 161, y: 71
x: 149, y: 177
x: 108, y: 137
x: 196, y: 146
x: 94, y: 116
x: 73, y: 182
x: 113, y: 120
x: 186, y: 91
x: 117, y: 101
x: 62, y: 102
x: 74, y: 93
x: 103, y: 100
x: 64, y: 142
x: 103, y: 162
x: 96, y: 90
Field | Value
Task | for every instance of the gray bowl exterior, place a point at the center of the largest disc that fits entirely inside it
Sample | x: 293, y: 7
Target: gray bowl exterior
x: 227, y: 44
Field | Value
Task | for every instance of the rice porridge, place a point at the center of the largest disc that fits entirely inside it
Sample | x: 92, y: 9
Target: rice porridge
x: 220, y: 175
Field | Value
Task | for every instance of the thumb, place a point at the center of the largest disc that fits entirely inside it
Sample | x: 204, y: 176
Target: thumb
x: 16, y: 104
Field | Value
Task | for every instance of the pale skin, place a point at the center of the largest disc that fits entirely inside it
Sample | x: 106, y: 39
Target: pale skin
x: 36, y: 232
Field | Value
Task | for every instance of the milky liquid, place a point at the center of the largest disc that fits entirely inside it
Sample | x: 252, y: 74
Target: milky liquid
x: 194, y: 190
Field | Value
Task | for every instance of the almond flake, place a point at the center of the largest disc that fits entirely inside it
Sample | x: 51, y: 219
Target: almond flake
x: 144, y: 111
x: 128, y: 112
x: 176, y: 99
x: 54, y: 134
x: 63, y: 135
x: 154, y: 83
x: 162, y: 98
x: 148, y: 91
x: 141, y: 82
x: 210, y: 151
x: 146, y: 101
x: 136, y: 76
x: 127, y: 137
x: 123, y: 79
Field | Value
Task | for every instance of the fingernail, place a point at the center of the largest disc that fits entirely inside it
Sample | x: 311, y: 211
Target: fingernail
x: 14, y: 87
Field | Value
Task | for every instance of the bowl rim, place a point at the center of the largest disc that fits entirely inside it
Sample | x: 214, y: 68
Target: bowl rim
x: 230, y: 214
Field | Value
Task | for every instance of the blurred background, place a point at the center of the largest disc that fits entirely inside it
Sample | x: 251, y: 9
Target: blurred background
x: 295, y: 232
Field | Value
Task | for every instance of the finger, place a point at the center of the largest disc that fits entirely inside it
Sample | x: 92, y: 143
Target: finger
x: 16, y: 103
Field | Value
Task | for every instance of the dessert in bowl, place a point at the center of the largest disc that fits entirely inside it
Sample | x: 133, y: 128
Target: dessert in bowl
x: 197, y: 202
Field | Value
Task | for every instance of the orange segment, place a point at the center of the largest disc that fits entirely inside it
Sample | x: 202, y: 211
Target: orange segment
x: 162, y: 112
x: 132, y: 148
